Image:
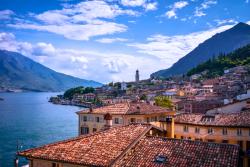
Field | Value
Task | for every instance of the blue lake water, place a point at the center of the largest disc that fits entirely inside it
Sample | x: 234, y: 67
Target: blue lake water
x: 30, y: 119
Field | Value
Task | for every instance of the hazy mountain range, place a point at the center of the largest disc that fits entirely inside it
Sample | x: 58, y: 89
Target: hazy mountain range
x: 20, y: 72
x: 223, y: 42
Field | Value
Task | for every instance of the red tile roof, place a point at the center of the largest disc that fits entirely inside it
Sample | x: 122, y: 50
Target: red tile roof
x: 129, y: 146
x: 144, y: 108
x: 98, y: 149
x: 241, y: 119
x: 180, y: 153
x: 127, y: 108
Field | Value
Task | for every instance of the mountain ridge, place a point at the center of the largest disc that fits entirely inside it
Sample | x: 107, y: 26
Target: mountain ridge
x: 224, y: 42
x: 20, y: 72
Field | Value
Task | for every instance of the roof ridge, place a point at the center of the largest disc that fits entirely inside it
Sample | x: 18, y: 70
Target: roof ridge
x: 130, y: 146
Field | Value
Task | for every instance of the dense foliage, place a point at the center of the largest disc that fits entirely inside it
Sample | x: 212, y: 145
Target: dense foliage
x: 216, y: 66
x: 163, y: 101
x: 80, y: 90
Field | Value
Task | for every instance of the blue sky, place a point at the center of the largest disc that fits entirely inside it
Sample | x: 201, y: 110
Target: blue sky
x: 107, y: 40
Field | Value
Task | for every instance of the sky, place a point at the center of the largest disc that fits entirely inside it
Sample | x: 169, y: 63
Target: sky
x: 107, y: 40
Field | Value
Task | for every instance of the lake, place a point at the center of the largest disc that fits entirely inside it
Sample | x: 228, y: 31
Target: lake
x: 32, y: 121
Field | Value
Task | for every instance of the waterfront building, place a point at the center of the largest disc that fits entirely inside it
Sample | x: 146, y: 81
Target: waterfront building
x: 92, y: 120
x: 131, y: 145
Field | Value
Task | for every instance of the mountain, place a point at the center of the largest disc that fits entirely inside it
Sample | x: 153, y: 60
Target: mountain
x: 20, y: 72
x: 224, y: 42
x: 216, y: 66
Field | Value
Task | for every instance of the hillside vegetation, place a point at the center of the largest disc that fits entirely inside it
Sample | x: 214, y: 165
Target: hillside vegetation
x: 216, y: 66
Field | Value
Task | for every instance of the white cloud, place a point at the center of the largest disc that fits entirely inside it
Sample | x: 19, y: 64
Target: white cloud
x: 6, y: 14
x: 199, y: 11
x: 112, y: 66
x: 133, y: 2
x: 76, y: 32
x: 111, y: 40
x: 80, y: 21
x: 180, y: 4
x: 173, y: 8
x: 171, y: 48
x: 225, y: 21
x: 147, y: 5
x: 150, y: 6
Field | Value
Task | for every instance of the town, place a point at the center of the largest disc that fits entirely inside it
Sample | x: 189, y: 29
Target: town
x: 125, y: 120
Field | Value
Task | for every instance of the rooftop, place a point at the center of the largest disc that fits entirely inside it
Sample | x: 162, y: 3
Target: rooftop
x: 127, y: 108
x: 98, y: 149
x: 156, y: 151
x: 129, y: 146
x: 241, y: 119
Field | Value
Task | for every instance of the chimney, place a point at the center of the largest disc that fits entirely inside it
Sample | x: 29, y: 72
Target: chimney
x: 91, y: 108
x: 108, y: 121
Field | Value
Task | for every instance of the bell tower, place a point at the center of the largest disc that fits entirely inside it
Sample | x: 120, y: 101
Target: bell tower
x: 137, y: 76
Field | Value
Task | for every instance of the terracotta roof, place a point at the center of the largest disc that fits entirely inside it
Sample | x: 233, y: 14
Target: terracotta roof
x: 241, y: 119
x: 144, y: 108
x: 119, y: 108
x: 128, y: 108
x: 129, y: 146
x: 99, y: 149
x: 184, y: 153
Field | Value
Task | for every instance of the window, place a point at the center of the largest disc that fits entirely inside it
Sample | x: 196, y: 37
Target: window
x: 85, y: 118
x: 240, y: 143
x: 197, y: 139
x: 116, y: 120
x: 224, y: 141
x: 155, y: 118
x: 210, y: 131
x: 224, y: 131
x: 132, y: 120
x: 185, y: 128
x: 148, y: 120
x: 84, y: 130
x: 55, y: 164
x: 94, y: 129
x: 239, y: 133
x: 97, y: 119
x: 197, y: 130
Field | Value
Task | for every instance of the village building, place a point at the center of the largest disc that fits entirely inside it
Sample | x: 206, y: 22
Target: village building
x: 231, y: 128
x: 131, y: 145
x: 194, y: 106
x: 92, y: 120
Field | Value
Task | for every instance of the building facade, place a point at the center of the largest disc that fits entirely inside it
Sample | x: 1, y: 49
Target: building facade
x: 92, y: 120
x: 231, y: 128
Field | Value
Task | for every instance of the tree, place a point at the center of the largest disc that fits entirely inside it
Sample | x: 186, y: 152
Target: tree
x: 143, y: 97
x: 164, y: 101
x: 78, y: 90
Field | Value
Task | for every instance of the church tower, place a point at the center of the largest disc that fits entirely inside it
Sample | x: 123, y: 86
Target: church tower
x: 137, y: 77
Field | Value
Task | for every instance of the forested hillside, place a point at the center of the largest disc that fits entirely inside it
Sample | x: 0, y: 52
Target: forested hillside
x: 216, y: 66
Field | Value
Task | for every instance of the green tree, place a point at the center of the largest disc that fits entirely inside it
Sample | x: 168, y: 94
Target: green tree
x: 164, y: 101
x: 143, y: 97
x: 68, y: 94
